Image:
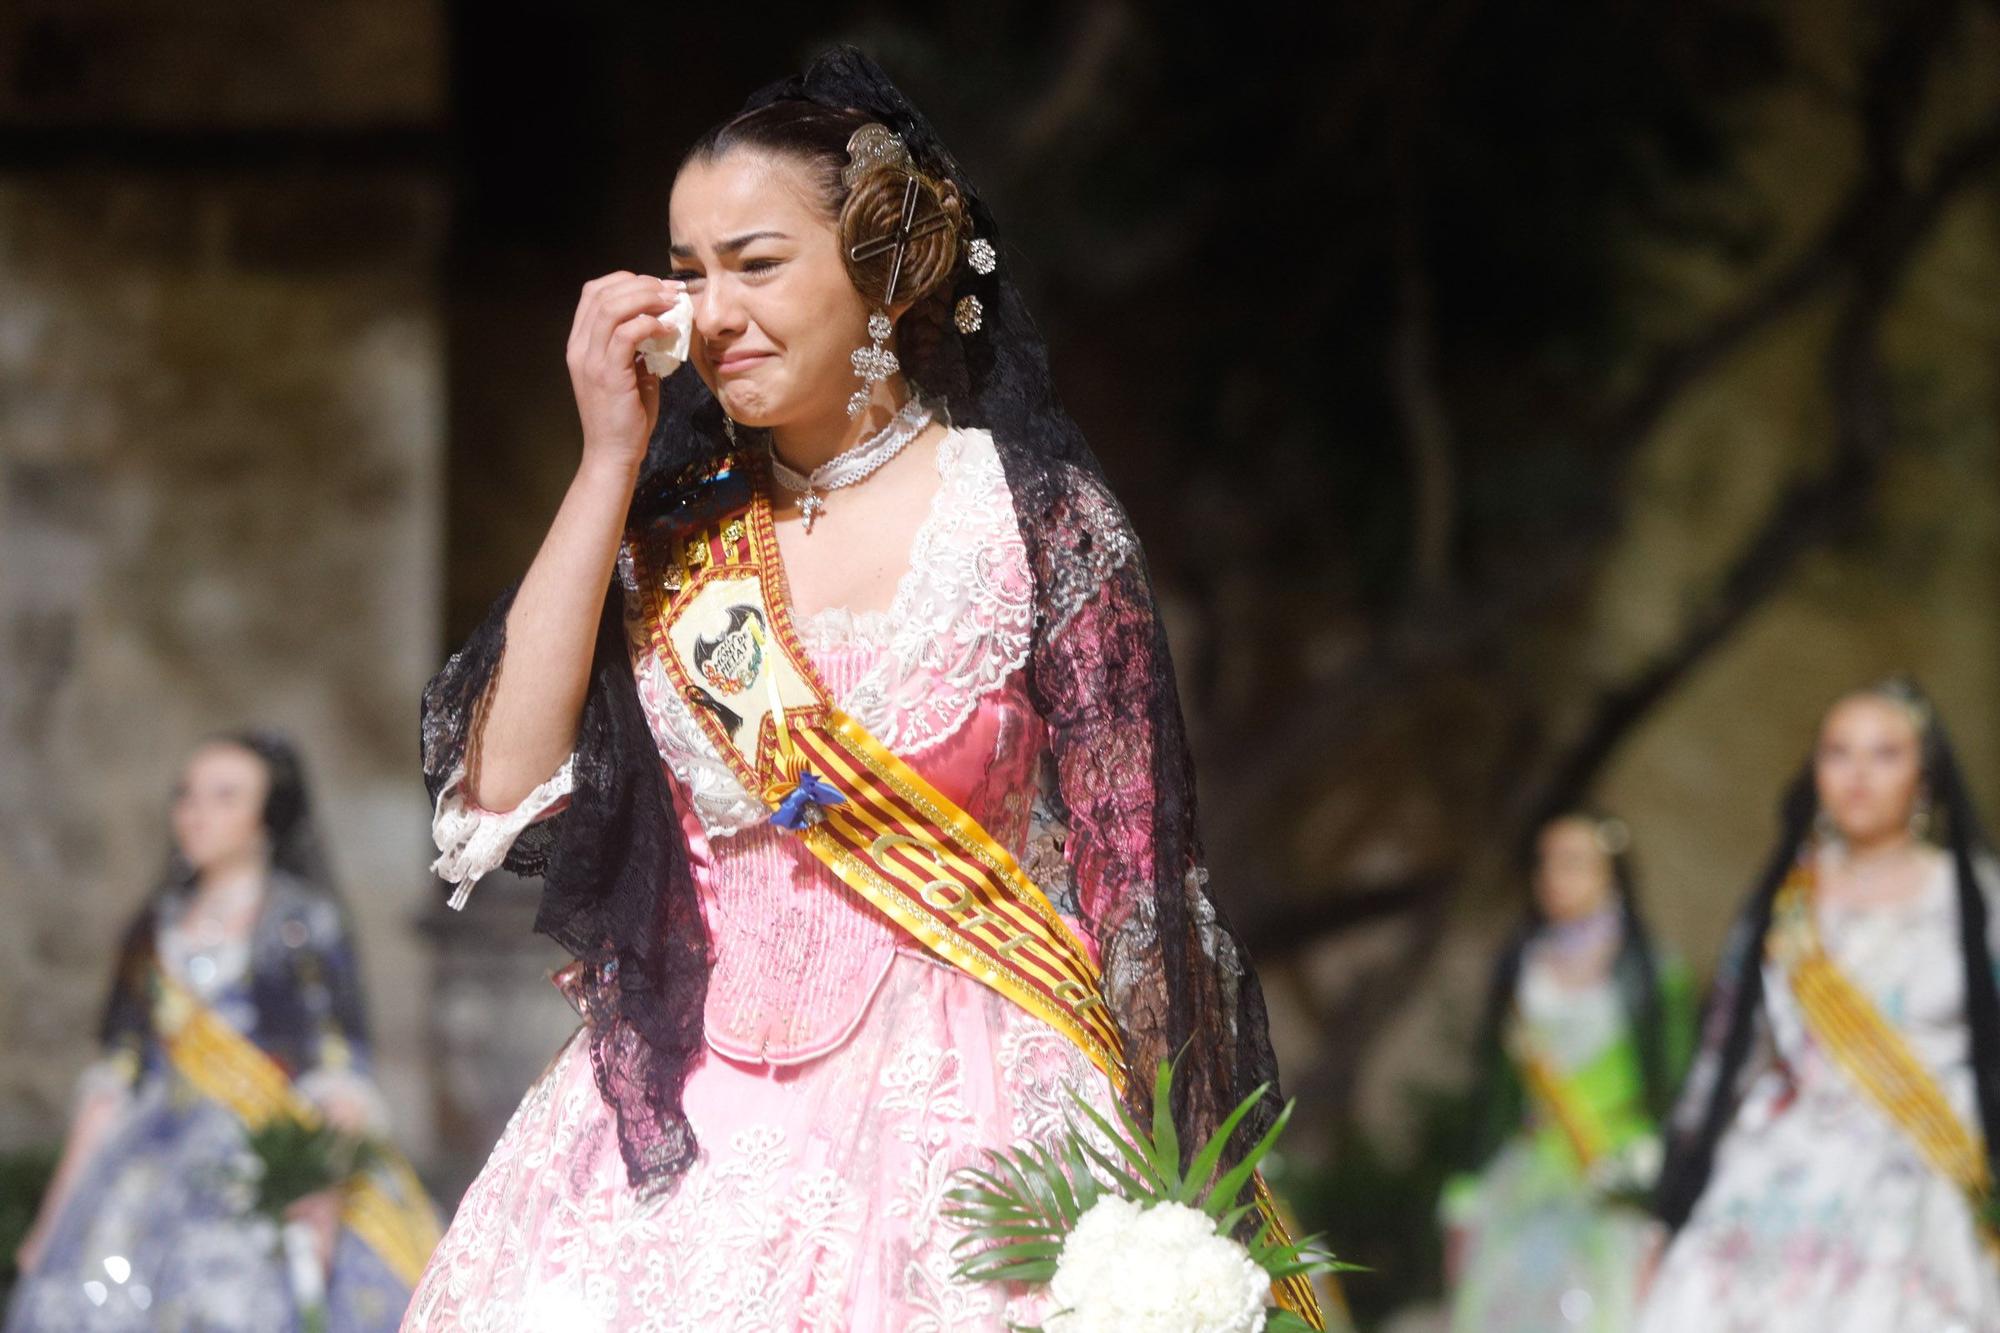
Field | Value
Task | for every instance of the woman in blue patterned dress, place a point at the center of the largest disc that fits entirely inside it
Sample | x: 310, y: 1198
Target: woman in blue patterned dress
x: 147, y: 1223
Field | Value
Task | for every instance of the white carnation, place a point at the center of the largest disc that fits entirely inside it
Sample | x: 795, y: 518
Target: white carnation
x: 1124, y: 1269
x: 664, y: 352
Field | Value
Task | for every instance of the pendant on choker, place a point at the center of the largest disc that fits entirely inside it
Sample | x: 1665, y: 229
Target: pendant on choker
x: 853, y: 464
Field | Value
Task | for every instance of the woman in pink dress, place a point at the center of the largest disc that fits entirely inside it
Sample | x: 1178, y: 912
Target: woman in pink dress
x: 757, y: 1122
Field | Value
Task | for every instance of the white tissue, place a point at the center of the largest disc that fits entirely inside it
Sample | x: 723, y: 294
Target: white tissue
x: 664, y: 352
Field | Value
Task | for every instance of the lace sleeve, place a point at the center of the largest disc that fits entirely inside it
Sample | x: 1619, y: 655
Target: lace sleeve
x: 1175, y: 976
x: 473, y: 841
x: 616, y: 893
x: 1045, y: 855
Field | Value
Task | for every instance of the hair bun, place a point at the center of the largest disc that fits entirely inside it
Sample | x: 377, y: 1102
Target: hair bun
x: 872, y: 212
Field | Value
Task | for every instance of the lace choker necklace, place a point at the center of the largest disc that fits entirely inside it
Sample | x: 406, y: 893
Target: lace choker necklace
x: 853, y: 464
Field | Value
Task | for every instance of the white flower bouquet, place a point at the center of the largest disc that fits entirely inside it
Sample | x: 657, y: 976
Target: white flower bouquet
x: 1124, y: 1239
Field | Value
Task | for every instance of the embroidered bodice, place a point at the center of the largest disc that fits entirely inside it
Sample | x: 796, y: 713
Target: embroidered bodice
x: 939, y: 677
x: 797, y: 954
x: 1907, y: 960
x: 1571, y: 1023
x: 960, y: 624
x: 291, y: 984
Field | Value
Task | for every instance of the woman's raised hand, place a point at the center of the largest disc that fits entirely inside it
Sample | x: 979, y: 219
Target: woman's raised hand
x: 537, y: 699
x: 617, y: 398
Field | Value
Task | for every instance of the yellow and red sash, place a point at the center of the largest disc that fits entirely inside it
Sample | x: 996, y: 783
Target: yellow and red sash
x: 228, y: 1068
x: 713, y: 595
x: 1846, y: 1023
x: 1555, y: 1095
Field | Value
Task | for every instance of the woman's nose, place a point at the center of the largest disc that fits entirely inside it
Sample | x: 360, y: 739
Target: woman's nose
x: 716, y: 312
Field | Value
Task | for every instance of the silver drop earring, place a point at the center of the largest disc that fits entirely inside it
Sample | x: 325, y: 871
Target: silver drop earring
x: 873, y: 364
x: 877, y: 363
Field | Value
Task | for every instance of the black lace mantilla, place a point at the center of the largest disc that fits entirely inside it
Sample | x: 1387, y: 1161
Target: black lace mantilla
x: 617, y: 892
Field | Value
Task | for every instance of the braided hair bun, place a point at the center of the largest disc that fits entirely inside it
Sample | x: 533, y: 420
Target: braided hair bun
x: 872, y: 211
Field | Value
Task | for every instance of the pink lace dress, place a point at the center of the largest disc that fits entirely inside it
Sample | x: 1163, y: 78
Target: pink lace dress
x: 849, y: 1073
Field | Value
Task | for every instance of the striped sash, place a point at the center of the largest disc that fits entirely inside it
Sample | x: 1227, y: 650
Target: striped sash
x: 712, y: 592
x: 228, y: 1068
x: 1848, y: 1026
x: 1557, y: 1097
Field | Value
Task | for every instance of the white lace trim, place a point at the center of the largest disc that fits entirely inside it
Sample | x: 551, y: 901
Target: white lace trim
x: 836, y: 627
x: 964, y: 616
x: 473, y: 841
x: 961, y: 623
x: 719, y: 800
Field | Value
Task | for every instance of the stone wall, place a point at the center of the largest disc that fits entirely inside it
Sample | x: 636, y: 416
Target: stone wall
x: 221, y: 434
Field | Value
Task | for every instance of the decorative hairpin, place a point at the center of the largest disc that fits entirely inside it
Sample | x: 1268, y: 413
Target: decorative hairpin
x: 970, y: 313
x: 874, y: 147
x: 871, y: 148
x: 1902, y: 690
x: 910, y: 224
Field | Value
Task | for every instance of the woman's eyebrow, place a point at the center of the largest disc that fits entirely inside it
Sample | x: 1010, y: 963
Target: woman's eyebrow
x: 730, y: 246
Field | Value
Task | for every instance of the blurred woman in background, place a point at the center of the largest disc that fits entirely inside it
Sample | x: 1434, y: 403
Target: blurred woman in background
x: 236, y: 1001
x: 1829, y: 1166
x: 1585, y: 1030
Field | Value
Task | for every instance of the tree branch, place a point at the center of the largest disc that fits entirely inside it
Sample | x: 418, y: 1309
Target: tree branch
x: 1891, y: 100
x: 1284, y: 929
x: 1101, y: 34
x: 1427, y: 431
x: 1626, y: 425
x: 1810, y: 512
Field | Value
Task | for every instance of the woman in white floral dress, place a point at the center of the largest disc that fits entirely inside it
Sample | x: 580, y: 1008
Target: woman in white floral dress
x: 1803, y: 1200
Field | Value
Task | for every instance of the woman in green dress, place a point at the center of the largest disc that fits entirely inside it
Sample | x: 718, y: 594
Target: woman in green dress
x: 1585, y: 1033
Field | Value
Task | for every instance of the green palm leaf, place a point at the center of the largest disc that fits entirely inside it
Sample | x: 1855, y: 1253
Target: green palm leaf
x: 1166, y: 1145
x: 1232, y: 1183
x: 1019, y: 1209
x: 1146, y: 1181
x: 1210, y: 1156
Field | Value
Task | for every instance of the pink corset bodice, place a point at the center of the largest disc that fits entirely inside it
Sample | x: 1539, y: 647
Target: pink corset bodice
x: 939, y: 679
x: 798, y: 954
